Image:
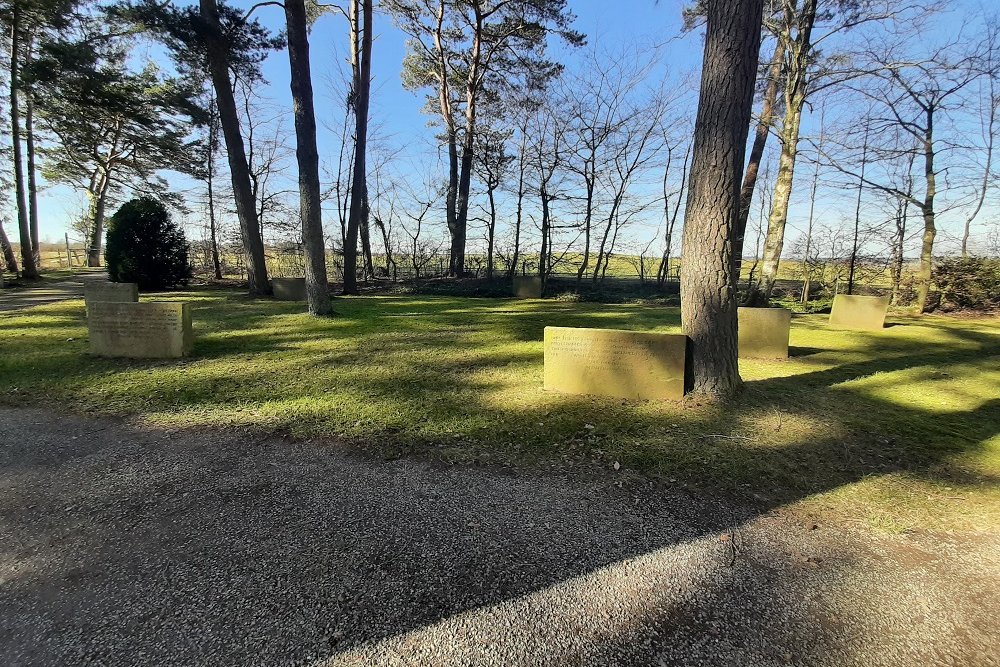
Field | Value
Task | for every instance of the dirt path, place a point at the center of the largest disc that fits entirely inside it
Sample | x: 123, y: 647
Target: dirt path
x: 47, y: 291
x: 125, y: 546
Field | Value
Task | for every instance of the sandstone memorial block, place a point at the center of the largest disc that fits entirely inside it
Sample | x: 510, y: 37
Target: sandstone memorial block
x: 851, y: 311
x: 528, y: 287
x: 612, y: 362
x: 289, y: 289
x: 151, y: 329
x: 764, y: 332
x: 103, y: 290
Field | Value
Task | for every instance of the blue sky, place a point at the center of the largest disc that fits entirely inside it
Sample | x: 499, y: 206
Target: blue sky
x: 396, y: 109
x: 610, y: 23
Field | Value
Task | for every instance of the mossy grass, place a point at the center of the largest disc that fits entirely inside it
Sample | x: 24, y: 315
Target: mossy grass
x: 898, y: 428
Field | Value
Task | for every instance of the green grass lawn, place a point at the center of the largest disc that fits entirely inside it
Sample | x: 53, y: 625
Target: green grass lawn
x: 899, y: 428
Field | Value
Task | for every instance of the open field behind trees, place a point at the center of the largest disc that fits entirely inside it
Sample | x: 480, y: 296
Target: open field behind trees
x: 871, y: 275
x: 898, y: 429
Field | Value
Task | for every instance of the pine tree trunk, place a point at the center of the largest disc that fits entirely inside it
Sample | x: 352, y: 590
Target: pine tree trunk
x: 29, y: 144
x: 361, y: 49
x: 246, y: 207
x: 213, y: 232
x: 307, y: 156
x: 708, y: 298
x: 8, y: 251
x: 28, y: 265
x: 490, y: 233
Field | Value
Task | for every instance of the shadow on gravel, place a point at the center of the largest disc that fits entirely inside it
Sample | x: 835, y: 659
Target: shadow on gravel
x: 125, y: 546
x: 122, y: 546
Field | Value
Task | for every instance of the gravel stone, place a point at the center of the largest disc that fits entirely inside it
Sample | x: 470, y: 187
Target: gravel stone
x: 124, y: 545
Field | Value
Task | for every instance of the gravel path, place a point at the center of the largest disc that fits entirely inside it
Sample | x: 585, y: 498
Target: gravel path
x: 129, y: 546
x: 48, y: 291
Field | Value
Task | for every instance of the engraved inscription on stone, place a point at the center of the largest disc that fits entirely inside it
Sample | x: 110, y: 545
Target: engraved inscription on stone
x: 851, y: 311
x: 148, y: 329
x: 611, y: 362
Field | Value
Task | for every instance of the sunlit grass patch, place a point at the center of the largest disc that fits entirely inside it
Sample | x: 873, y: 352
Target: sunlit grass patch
x: 883, y: 420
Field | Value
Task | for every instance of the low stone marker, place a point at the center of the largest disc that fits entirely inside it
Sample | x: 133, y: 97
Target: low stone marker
x: 140, y: 330
x: 103, y: 290
x: 612, y: 362
x: 289, y: 289
x: 851, y: 311
x: 528, y: 287
x: 764, y: 332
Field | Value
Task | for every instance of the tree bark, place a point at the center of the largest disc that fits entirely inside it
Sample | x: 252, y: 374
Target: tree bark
x: 307, y: 156
x: 757, y: 150
x: 491, y: 233
x: 361, y: 50
x: 28, y: 265
x: 796, y: 90
x: 213, y: 233
x: 927, y: 210
x: 97, y: 228
x: 460, y: 232
x: 708, y: 297
x: 246, y: 208
x: 29, y: 144
x: 8, y: 251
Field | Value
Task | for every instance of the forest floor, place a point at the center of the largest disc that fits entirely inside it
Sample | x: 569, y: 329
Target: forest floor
x: 897, y: 429
x: 123, y: 543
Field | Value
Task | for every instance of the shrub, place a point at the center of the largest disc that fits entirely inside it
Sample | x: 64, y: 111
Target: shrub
x: 145, y: 246
x: 968, y: 283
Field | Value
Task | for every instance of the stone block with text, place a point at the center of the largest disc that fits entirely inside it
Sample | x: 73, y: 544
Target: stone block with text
x: 152, y: 329
x: 851, y: 311
x: 764, y: 332
x: 528, y: 287
x: 612, y: 362
x: 289, y: 289
x: 103, y: 290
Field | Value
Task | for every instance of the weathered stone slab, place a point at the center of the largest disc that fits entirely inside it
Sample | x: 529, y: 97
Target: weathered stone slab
x: 528, y: 287
x: 102, y: 290
x: 851, y: 311
x: 764, y: 332
x: 289, y: 289
x: 611, y: 362
x: 140, y: 330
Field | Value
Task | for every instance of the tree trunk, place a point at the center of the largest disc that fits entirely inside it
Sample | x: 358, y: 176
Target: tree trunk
x: 246, y: 207
x: 796, y: 89
x: 927, y: 209
x: 458, y: 238
x: 519, y: 212
x: 708, y: 298
x: 213, y: 233
x: 587, y: 221
x: 774, y: 241
x: 28, y: 265
x: 97, y: 226
x: 361, y: 49
x: 29, y: 143
x: 307, y: 156
x: 490, y: 233
x: 8, y: 251
x: 852, y: 265
x: 899, y: 238
x: 757, y: 150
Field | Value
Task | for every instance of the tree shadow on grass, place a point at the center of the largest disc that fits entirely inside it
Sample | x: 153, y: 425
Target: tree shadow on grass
x: 226, y: 549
